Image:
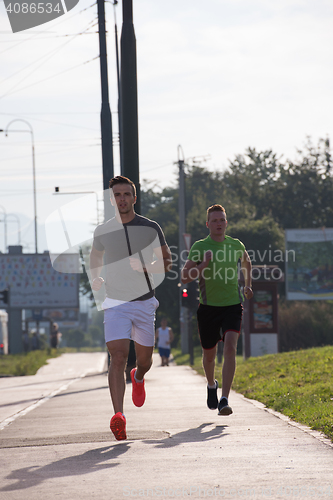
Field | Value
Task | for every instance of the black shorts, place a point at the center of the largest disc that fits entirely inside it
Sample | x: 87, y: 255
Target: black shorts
x: 211, y: 319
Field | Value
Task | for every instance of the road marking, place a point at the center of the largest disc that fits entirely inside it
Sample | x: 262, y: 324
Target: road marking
x: 38, y: 403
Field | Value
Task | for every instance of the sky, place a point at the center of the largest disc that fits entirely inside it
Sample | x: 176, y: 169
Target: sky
x: 215, y: 77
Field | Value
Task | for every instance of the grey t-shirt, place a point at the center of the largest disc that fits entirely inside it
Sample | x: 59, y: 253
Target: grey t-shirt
x: 137, y: 238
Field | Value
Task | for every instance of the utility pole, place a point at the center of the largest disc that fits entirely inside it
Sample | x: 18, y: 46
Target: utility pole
x: 129, y: 100
x: 106, y: 120
x: 5, y: 225
x: 182, y: 250
x: 115, y: 2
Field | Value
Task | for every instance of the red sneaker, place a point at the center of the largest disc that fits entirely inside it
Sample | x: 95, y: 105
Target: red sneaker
x: 138, y: 390
x: 118, y: 426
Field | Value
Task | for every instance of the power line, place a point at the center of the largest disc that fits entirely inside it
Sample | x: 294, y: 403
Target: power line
x: 46, y: 190
x: 46, y: 57
x: 50, y: 77
x: 50, y: 37
x: 42, y: 170
x: 53, y: 113
x: 48, y: 152
x: 64, y: 19
x: 61, y: 123
x: 155, y: 168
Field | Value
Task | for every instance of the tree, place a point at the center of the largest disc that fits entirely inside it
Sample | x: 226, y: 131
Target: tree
x: 74, y: 337
x: 297, y: 194
x: 263, y: 239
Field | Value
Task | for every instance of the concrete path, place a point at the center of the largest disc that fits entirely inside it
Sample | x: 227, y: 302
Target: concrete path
x: 176, y: 447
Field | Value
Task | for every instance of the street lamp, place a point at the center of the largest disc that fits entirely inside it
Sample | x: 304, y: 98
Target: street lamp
x: 18, y: 225
x: 5, y: 222
x: 33, y: 166
x: 57, y: 192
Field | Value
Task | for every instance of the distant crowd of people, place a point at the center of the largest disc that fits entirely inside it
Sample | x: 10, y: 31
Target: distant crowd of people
x: 32, y: 342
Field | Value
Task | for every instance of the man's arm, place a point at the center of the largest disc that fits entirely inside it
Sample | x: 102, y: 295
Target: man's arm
x: 96, y: 264
x: 191, y: 270
x: 163, y: 262
x: 171, y: 336
x: 246, y: 269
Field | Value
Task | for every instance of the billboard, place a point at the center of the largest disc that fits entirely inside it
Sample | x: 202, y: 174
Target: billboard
x: 34, y: 283
x: 309, y: 264
x: 68, y: 318
x: 262, y: 310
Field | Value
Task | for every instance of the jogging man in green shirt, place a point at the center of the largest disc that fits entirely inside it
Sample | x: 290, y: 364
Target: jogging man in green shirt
x: 213, y: 261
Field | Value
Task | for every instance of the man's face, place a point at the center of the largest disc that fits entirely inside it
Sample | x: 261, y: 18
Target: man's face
x: 124, y: 198
x: 217, y: 223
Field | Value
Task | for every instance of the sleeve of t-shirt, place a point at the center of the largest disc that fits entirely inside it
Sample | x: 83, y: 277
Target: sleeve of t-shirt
x: 195, y: 254
x: 97, y: 240
x: 160, y: 233
x: 241, y: 247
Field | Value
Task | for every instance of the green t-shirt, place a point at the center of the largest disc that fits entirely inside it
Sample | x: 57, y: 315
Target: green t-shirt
x: 218, y: 283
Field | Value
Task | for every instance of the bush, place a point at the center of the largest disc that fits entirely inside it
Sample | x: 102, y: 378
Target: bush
x: 96, y: 335
x: 74, y: 337
x: 304, y: 324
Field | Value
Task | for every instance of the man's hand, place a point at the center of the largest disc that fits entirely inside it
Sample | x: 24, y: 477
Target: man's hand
x: 136, y: 264
x: 97, y: 284
x: 248, y: 292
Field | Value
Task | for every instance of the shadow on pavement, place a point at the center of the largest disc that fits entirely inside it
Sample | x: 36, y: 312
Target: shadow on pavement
x: 195, y: 435
x: 88, y: 462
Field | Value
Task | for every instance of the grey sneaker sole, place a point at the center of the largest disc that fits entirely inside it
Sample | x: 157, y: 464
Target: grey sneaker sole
x: 225, y: 410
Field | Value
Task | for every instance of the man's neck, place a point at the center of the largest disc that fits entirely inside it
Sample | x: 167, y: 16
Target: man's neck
x: 125, y: 218
x: 218, y: 238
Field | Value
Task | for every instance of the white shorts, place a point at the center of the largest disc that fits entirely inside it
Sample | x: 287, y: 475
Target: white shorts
x: 132, y: 320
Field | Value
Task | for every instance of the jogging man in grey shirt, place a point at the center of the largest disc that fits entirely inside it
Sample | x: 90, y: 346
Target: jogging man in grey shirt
x: 132, y: 248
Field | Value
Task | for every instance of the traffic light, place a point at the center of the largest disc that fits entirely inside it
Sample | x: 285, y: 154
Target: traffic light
x: 190, y: 296
x: 185, y: 299
x: 4, y: 296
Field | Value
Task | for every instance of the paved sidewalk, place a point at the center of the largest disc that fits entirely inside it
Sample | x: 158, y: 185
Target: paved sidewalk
x: 22, y: 394
x: 176, y: 447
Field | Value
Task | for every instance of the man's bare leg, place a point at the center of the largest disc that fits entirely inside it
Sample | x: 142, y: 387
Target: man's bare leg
x: 229, y: 361
x: 118, y: 350
x: 208, y: 363
x: 143, y: 360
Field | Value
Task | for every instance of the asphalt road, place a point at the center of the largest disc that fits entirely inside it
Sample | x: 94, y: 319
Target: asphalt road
x: 55, y: 441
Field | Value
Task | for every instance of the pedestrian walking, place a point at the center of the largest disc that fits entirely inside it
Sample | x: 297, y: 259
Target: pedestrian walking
x: 214, y: 262
x: 164, y: 336
x: 54, y: 335
x: 134, y: 248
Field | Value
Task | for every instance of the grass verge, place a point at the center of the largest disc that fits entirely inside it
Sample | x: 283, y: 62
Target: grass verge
x: 25, y: 364
x: 297, y: 384
x: 29, y: 364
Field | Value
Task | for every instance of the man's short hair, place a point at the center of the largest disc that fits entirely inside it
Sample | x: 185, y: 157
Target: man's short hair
x: 214, y: 208
x: 120, y: 179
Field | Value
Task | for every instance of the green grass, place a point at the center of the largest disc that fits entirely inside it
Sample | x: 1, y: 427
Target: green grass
x: 25, y: 364
x: 297, y: 384
x: 29, y: 364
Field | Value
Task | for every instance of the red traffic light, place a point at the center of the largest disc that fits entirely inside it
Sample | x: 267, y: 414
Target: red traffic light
x: 185, y: 294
